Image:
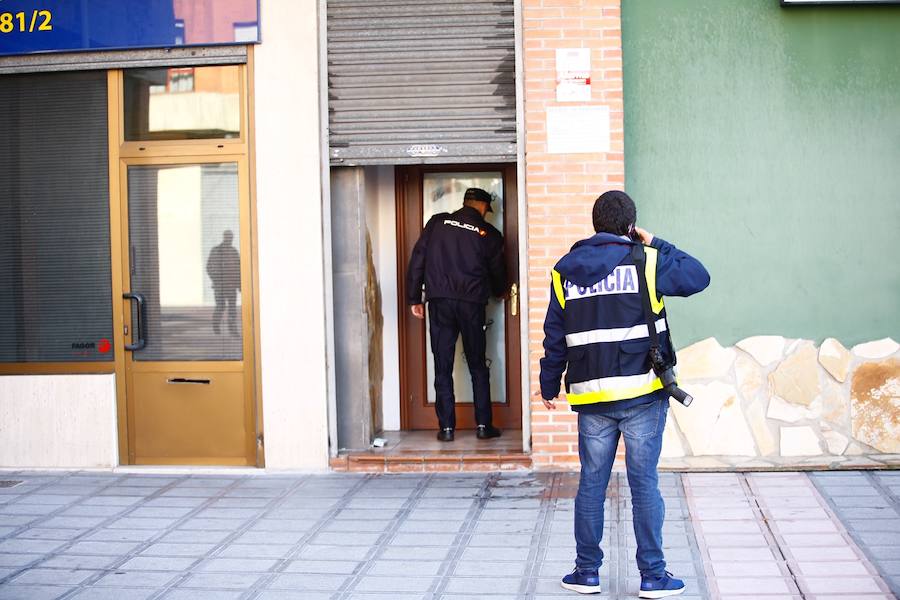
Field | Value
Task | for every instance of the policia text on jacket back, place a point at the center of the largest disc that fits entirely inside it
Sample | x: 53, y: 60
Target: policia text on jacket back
x: 597, y: 331
x: 459, y: 259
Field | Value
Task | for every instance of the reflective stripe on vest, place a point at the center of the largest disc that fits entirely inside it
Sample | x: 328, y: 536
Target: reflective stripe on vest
x: 612, y: 335
x: 610, y: 389
x: 558, y: 289
x: 656, y: 302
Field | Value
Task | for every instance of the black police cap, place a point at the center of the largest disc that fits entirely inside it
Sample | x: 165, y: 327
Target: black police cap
x: 480, y: 195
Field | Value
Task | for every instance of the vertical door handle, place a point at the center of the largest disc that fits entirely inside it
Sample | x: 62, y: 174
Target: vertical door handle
x: 514, y: 300
x: 138, y: 328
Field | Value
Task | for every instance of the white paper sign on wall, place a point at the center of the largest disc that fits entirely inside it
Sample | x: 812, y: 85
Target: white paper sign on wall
x: 573, y: 74
x: 577, y: 129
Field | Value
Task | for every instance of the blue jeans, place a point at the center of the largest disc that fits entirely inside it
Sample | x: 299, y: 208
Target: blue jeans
x: 598, y: 437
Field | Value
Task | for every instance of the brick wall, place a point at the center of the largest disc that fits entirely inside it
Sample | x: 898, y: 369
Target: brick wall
x: 561, y: 188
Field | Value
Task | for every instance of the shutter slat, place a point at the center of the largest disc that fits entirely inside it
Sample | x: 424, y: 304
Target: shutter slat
x: 404, y: 92
x: 404, y: 79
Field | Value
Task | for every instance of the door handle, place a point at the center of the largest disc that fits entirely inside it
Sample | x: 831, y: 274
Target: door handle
x: 187, y: 380
x: 514, y: 299
x: 138, y: 328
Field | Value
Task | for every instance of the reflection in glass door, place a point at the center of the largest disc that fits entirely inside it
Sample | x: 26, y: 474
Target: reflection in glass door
x: 443, y: 192
x: 184, y: 231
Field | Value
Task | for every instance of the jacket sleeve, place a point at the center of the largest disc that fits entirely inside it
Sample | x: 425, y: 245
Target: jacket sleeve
x: 497, y: 268
x: 678, y: 273
x: 554, y: 362
x: 415, y: 274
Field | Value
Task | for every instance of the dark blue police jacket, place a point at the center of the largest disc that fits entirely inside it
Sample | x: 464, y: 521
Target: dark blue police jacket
x: 458, y: 256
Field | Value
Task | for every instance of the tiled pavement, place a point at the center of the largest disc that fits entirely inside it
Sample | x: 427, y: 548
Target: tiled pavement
x: 771, y: 535
x: 868, y: 504
x: 433, y: 536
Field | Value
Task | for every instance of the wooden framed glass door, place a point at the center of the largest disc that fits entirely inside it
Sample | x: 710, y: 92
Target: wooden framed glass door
x: 423, y: 191
x: 188, y: 341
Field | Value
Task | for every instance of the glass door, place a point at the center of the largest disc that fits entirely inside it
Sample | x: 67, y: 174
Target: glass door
x: 186, y: 256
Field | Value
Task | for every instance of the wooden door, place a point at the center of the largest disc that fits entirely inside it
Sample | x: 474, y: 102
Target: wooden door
x: 421, y: 192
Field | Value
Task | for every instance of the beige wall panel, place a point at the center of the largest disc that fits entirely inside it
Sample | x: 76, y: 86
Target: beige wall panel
x: 59, y: 421
x: 290, y: 239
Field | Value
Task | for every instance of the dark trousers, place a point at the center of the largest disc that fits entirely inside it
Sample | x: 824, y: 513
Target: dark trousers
x: 448, y: 319
x: 225, y: 301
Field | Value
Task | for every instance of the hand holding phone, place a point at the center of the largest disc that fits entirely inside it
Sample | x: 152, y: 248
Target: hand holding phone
x: 641, y: 235
x: 635, y: 236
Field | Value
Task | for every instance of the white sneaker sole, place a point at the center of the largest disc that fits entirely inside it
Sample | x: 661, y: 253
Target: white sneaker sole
x: 661, y: 593
x: 581, y: 589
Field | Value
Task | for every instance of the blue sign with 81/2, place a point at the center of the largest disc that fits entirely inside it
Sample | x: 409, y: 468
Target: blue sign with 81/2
x: 29, y: 26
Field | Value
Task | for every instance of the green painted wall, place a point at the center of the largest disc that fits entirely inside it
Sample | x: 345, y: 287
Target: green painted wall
x: 766, y: 141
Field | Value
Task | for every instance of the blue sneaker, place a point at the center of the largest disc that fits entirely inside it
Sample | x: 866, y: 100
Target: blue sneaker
x: 660, y: 587
x: 583, y: 582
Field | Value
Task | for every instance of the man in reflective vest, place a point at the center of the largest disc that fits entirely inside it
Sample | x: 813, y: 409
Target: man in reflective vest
x: 596, y: 331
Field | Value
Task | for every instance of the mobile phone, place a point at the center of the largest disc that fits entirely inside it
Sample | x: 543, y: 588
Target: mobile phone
x: 635, y: 236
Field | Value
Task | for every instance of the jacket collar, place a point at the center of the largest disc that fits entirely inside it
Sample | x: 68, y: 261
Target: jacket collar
x: 471, y: 213
x: 599, y: 239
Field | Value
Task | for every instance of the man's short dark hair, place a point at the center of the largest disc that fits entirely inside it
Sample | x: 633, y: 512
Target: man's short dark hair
x: 614, y: 212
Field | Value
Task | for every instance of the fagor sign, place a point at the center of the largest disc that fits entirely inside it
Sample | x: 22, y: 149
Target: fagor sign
x: 29, y: 26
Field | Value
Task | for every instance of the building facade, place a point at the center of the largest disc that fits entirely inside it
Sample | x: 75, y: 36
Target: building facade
x: 204, y: 238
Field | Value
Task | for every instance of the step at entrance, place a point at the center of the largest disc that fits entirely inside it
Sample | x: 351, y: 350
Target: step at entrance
x: 420, y: 451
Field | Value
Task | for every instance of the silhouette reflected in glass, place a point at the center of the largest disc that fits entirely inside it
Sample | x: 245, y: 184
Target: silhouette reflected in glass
x: 224, y: 268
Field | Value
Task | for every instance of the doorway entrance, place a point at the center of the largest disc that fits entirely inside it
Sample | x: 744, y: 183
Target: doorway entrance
x: 423, y: 191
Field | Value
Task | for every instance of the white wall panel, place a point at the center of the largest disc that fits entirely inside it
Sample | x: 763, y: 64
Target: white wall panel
x: 58, y: 421
x: 290, y: 242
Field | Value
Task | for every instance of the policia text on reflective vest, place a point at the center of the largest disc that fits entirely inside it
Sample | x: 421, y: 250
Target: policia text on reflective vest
x: 595, y: 329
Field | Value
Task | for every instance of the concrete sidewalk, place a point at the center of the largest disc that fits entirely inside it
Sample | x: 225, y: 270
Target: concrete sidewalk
x: 460, y: 536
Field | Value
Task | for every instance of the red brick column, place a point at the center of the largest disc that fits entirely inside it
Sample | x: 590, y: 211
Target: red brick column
x: 561, y: 188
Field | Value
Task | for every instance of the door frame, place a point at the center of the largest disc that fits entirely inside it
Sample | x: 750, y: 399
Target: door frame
x: 240, y: 150
x: 408, y: 184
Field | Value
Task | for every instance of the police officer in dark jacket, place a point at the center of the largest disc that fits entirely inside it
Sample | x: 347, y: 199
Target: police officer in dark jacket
x: 459, y: 259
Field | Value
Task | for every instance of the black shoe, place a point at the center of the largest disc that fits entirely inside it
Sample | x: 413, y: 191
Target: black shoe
x: 486, y: 432
x: 445, y: 434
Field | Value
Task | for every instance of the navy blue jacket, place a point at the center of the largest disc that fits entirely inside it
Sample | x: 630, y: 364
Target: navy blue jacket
x: 458, y: 256
x: 591, y: 260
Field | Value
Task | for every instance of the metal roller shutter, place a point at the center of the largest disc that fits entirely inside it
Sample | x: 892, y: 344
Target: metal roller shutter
x: 421, y: 81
